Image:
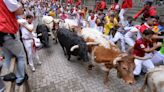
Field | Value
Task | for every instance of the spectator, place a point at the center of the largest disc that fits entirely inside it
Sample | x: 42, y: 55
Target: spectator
x: 28, y: 41
x: 102, y: 5
x: 92, y: 20
x: 126, y: 4
x: 148, y: 10
x: 11, y: 45
x: 129, y: 35
x: 158, y: 57
x: 151, y: 21
x: 115, y: 6
x: 110, y: 22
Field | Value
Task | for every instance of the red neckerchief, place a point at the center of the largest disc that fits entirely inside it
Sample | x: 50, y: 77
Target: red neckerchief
x: 92, y: 17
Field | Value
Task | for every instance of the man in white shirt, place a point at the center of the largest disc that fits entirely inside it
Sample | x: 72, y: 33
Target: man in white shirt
x: 28, y: 41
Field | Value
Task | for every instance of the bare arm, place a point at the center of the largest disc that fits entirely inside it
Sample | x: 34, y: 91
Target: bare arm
x: 14, y: 6
x: 30, y: 29
x: 157, y: 37
x: 141, y: 58
x: 153, y: 48
x: 19, y: 11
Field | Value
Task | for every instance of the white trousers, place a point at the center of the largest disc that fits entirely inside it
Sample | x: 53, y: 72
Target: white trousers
x: 158, y: 58
x: 30, y: 51
x: 148, y: 64
x: 122, y: 15
x: 129, y: 41
x: 119, y: 36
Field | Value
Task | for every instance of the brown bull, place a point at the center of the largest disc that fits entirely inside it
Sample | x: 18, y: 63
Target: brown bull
x: 108, y: 58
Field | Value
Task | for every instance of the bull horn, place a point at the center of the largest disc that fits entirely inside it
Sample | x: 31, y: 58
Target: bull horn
x: 74, y: 47
x: 117, y: 59
x: 92, y: 43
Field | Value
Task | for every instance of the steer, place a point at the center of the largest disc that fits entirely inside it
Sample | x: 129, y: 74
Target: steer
x: 68, y: 24
x: 73, y: 44
x: 49, y: 22
x: 107, y: 56
x: 42, y: 34
x: 154, y: 80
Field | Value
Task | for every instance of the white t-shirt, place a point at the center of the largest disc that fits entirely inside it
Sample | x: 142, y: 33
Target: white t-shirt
x: 132, y: 32
x: 25, y: 33
x: 92, y: 23
x: 12, y: 5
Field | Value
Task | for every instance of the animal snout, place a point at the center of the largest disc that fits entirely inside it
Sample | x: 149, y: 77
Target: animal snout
x: 130, y: 82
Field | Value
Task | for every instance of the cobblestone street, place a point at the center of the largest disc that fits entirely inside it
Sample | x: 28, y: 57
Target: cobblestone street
x: 56, y: 74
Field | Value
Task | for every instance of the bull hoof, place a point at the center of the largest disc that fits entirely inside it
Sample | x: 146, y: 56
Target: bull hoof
x: 78, y: 58
x: 105, y: 82
x: 56, y: 42
x: 90, y: 67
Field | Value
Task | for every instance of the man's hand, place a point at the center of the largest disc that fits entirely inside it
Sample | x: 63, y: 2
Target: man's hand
x: 19, y: 11
x: 159, y: 44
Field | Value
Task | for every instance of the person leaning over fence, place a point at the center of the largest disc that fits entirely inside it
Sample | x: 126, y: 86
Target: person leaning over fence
x: 9, y: 42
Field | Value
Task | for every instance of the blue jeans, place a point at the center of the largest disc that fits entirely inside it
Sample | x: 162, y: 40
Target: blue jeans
x: 14, y: 47
x: 2, y: 85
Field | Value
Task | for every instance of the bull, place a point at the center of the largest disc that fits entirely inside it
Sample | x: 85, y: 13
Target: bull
x: 73, y: 44
x: 68, y: 24
x: 50, y: 22
x: 42, y: 33
x: 107, y: 56
x: 154, y: 80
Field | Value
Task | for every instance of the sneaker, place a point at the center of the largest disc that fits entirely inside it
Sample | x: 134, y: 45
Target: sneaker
x: 25, y: 78
x: 39, y: 62
x: 33, y: 68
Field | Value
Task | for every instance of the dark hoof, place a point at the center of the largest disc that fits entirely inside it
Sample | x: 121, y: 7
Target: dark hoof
x: 90, y: 67
x: 78, y: 58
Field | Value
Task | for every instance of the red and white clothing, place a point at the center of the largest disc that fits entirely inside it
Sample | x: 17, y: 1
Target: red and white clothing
x: 146, y: 12
x: 8, y: 21
x: 114, y: 7
x: 102, y: 5
x: 28, y: 42
x: 79, y: 2
x: 63, y: 16
x: 129, y: 35
x: 92, y: 21
x: 144, y: 27
x: 139, y: 51
x: 70, y: 2
x: 126, y: 4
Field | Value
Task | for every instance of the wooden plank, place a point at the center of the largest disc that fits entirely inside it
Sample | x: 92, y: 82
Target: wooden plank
x: 26, y: 84
x: 22, y: 88
x: 10, y: 87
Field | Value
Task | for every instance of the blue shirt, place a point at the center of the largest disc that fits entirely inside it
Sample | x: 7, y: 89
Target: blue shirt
x: 160, y: 28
